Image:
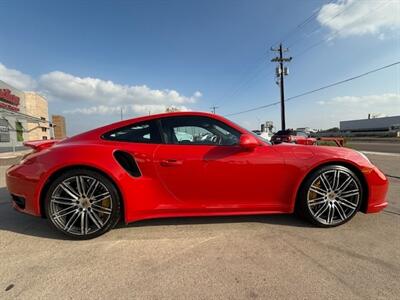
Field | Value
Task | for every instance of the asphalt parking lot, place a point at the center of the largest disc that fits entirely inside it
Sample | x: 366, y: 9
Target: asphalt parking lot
x: 378, y: 146
x: 207, y: 258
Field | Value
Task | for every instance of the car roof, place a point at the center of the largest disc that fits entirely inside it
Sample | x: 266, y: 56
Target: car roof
x: 96, y: 133
x: 165, y: 115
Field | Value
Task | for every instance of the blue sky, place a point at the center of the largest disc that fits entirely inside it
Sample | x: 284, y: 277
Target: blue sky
x: 91, y: 58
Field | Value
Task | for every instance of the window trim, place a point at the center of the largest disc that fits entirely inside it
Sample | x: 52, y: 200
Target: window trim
x: 202, y: 117
x: 105, y: 136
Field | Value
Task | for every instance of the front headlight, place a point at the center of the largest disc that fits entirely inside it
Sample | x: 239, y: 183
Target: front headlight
x: 364, y: 156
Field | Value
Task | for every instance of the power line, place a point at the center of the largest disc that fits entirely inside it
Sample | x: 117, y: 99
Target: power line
x: 302, y: 24
x: 317, y: 89
x: 258, y: 71
x: 336, y: 33
x: 250, y: 76
x: 246, y: 77
x: 318, y: 27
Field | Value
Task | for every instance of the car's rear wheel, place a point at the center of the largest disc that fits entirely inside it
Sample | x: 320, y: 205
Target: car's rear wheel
x: 330, y: 196
x: 82, y: 204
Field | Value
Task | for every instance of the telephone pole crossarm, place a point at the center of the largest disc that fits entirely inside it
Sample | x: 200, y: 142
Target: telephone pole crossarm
x: 213, y: 109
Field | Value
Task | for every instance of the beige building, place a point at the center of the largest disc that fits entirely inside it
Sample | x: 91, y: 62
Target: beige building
x: 23, y: 117
x: 59, y: 128
x: 36, y: 106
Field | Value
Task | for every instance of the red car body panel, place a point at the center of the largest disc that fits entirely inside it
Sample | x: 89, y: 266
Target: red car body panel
x: 190, y: 180
x: 305, y: 141
x: 296, y: 139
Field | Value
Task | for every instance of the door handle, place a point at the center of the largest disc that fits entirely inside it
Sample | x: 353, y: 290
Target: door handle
x: 170, y: 162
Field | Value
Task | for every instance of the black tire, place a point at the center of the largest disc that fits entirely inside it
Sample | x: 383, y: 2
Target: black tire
x: 311, y: 202
x: 96, y: 214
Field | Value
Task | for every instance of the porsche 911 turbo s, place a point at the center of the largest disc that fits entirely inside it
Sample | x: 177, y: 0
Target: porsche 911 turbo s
x: 187, y: 164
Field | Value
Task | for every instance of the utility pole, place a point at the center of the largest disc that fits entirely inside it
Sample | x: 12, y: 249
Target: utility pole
x: 122, y: 117
x: 281, y: 72
x: 213, y: 108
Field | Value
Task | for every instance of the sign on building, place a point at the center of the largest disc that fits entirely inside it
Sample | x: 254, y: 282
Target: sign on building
x: 8, y: 100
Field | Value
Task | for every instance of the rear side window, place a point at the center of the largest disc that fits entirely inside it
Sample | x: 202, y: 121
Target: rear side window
x: 144, y: 132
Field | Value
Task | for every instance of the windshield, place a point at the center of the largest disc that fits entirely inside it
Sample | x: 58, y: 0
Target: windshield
x: 258, y: 137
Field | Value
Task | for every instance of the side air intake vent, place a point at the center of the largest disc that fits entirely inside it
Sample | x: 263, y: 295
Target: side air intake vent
x: 128, y: 163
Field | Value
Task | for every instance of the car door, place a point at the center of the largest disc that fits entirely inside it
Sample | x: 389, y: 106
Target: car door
x: 142, y: 190
x: 202, y: 165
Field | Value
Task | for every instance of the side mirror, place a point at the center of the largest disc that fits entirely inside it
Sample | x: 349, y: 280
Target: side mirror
x: 248, y: 141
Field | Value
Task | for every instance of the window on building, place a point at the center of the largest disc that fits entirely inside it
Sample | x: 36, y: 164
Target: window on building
x: 44, y: 129
x: 4, y: 131
x: 44, y: 137
x: 20, y: 131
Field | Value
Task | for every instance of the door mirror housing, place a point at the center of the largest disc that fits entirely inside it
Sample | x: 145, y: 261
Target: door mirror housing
x: 248, y: 141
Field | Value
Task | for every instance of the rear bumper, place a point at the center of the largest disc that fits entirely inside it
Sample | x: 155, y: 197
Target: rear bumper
x: 378, y: 186
x: 22, y: 188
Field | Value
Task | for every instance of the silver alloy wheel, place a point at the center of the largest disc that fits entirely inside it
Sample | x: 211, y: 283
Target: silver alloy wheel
x: 80, y: 205
x: 333, y: 197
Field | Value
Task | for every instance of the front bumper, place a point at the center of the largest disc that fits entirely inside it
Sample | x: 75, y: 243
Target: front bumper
x: 378, y: 186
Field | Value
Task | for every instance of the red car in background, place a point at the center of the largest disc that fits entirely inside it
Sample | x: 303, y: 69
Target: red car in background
x: 293, y: 136
x: 187, y: 164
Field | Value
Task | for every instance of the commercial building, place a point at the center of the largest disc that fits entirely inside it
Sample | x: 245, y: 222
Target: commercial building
x: 59, y: 128
x: 372, y: 126
x: 24, y: 116
x: 36, y: 106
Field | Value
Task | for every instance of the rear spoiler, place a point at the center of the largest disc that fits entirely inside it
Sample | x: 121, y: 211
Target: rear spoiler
x: 40, y: 144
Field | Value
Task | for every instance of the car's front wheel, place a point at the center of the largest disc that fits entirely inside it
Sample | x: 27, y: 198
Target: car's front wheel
x: 330, y: 196
x: 82, y: 204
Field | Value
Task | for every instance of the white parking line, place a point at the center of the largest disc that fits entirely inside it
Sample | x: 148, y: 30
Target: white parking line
x: 381, y: 153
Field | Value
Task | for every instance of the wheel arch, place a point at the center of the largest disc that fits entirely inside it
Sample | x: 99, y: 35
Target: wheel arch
x: 57, y: 172
x: 350, y: 166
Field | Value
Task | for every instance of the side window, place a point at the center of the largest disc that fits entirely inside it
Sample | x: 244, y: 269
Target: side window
x: 197, y: 130
x: 144, y: 132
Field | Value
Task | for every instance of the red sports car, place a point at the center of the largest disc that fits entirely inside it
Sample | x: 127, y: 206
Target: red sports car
x: 293, y: 136
x: 188, y: 164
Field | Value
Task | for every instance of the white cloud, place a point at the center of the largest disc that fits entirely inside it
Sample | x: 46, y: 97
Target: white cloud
x: 100, y: 109
x: 360, y: 17
x: 141, y: 109
x: 153, y: 109
x: 390, y: 100
x: 71, y: 88
x: 197, y: 94
x: 97, y: 96
x: 16, y: 78
x: 355, y: 107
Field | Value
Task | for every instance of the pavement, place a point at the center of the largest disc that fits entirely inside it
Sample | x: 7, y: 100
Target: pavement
x: 10, y: 158
x: 275, y: 256
x: 375, y: 146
